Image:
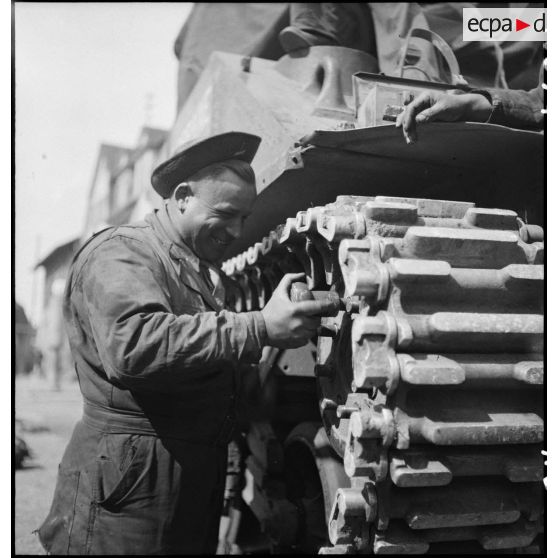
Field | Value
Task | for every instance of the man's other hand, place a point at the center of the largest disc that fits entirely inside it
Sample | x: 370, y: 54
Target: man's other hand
x: 430, y: 106
x: 291, y: 324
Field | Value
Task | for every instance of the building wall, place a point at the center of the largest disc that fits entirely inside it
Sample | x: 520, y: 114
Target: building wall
x: 24, y: 342
x: 99, y: 203
x: 142, y: 172
x: 58, y: 274
x: 52, y: 339
x: 147, y: 198
x: 24, y: 338
x: 122, y: 190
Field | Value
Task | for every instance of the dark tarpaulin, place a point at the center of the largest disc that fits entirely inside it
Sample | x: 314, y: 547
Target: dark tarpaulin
x: 253, y: 29
x: 239, y: 28
x: 478, y: 60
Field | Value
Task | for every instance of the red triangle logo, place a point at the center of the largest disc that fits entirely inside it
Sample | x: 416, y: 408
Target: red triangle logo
x: 519, y: 24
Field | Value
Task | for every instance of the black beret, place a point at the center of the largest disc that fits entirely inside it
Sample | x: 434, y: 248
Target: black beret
x: 198, y: 154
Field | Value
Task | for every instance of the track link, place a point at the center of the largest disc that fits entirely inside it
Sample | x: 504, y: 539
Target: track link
x: 431, y: 379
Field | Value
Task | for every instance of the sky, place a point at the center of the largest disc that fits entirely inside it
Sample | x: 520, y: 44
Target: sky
x: 85, y: 73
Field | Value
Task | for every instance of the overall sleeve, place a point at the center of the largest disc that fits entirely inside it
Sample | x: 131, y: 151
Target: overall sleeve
x: 140, y: 341
x: 517, y: 108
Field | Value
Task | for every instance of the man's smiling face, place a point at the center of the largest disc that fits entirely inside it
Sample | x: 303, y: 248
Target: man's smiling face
x: 214, y: 214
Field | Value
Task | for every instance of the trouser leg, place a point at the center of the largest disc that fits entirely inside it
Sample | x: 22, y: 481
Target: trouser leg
x: 337, y: 23
x: 129, y: 494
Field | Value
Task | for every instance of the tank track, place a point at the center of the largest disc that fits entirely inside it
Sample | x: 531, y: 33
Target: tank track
x: 431, y: 378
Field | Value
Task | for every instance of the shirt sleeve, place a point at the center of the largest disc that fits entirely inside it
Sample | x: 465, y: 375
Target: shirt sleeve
x: 140, y: 340
x: 517, y: 108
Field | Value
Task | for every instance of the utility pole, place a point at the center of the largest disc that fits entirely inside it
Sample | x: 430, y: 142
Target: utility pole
x: 148, y: 108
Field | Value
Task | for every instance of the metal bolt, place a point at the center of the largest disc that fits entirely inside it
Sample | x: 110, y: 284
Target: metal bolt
x: 345, y: 411
x: 531, y: 233
x: 328, y: 404
x: 367, y: 424
x: 245, y: 63
x: 352, y: 304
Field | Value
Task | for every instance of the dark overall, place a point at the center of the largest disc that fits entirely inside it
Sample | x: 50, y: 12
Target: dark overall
x: 156, y: 361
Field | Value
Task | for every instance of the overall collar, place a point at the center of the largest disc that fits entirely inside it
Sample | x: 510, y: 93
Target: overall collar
x: 178, y: 248
x: 186, y: 259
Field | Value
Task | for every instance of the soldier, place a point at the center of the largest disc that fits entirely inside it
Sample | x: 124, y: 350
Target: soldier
x: 156, y: 357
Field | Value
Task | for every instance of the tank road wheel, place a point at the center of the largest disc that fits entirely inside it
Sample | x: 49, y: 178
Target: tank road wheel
x: 313, y: 473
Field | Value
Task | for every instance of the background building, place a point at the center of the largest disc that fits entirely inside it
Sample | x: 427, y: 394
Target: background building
x: 120, y: 192
x: 24, y: 341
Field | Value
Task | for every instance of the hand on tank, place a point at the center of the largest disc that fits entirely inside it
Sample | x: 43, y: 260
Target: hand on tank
x: 430, y: 106
x: 291, y: 324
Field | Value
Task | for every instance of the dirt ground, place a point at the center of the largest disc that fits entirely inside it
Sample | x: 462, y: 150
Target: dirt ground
x: 48, y: 419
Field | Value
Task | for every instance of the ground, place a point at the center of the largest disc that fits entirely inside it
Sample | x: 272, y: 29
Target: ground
x: 48, y: 418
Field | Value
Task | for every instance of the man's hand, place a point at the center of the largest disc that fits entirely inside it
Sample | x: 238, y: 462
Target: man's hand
x: 437, y: 105
x: 291, y: 324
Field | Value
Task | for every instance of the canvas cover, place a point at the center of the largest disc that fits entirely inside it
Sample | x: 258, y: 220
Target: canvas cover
x: 253, y: 29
